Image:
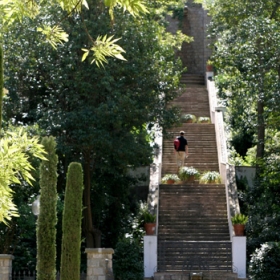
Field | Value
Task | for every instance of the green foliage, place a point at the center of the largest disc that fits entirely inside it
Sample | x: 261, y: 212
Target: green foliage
x: 16, y: 148
x: 186, y: 172
x: 128, y: 260
x: 95, y: 113
x: 264, y: 262
x: 11, y: 11
x: 19, y: 237
x: 167, y: 177
x: 1, y: 84
x: 47, y: 219
x: 145, y: 215
x: 210, y: 177
x: 104, y: 47
x: 239, y: 219
x: 245, y: 55
x: 71, y: 224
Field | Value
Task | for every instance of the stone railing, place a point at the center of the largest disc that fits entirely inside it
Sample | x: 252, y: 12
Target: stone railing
x: 227, y: 172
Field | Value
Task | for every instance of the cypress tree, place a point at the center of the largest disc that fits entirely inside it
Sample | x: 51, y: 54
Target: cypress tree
x: 1, y: 84
x: 71, y: 224
x: 47, y: 219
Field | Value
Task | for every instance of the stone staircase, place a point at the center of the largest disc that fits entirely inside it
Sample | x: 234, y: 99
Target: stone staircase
x: 201, y: 137
x: 193, y: 231
x: 202, y: 148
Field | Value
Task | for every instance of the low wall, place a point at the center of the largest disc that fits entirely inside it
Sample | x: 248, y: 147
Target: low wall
x: 248, y: 172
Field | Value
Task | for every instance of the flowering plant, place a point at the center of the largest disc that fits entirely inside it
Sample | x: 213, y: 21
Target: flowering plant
x: 170, y: 177
x: 188, y: 117
x: 186, y: 172
x: 203, y: 120
x: 210, y: 177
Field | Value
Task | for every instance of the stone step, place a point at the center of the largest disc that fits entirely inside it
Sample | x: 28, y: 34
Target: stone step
x: 212, y: 213
x: 192, y: 230
x: 199, y: 187
x: 172, y: 167
x: 179, y: 255
x: 186, y: 275
x: 192, y: 136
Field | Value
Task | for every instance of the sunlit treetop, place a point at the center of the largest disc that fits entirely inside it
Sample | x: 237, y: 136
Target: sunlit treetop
x: 14, y: 11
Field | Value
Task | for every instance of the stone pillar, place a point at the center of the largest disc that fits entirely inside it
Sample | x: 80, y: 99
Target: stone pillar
x: 150, y: 255
x: 99, y: 263
x: 6, y: 266
x: 239, y: 255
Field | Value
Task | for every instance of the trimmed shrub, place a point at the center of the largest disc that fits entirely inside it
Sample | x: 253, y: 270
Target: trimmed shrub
x: 47, y: 219
x: 128, y: 260
x: 264, y: 263
x: 71, y: 224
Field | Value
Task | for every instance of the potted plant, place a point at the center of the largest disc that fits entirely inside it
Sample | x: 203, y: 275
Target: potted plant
x: 147, y: 219
x: 209, y: 66
x: 188, y: 173
x: 210, y: 177
x: 170, y: 179
x: 239, y: 221
x: 203, y: 120
x: 188, y: 118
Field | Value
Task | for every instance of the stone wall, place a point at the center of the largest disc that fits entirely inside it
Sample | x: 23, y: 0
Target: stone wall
x: 195, y: 54
x: 99, y: 263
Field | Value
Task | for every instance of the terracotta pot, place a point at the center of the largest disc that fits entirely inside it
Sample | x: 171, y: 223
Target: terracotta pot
x: 170, y: 182
x: 191, y: 178
x: 150, y: 228
x: 209, y: 68
x: 239, y: 230
x: 189, y: 121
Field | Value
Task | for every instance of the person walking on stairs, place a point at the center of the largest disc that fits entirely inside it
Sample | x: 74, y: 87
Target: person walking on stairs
x: 182, y: 152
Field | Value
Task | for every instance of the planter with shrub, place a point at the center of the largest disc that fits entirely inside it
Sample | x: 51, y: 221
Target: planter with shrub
x: 187, y: 174
x: 203, y: 120
x: 210, y: 177
x: 170, y: 179
x: 188, y: 118
x: 238, y: 222
x: 147, y: 220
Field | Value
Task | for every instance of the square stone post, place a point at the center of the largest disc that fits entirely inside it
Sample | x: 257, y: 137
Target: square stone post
x: 150, y: 255
x: 99, y: 263
x: 6, y: 266
x: 239, y: 255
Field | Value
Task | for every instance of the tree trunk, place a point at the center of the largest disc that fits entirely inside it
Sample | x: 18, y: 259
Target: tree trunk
x: 261, y: 130
x: 261, y: 135
x: 88, y: 227
x: 93, y: 236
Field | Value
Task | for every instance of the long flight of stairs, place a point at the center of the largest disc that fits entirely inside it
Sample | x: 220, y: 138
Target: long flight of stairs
x: 201, y: 137
x: 193, y: 231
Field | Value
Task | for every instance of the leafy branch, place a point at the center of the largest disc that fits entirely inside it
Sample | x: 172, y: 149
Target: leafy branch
x: 104, y: 47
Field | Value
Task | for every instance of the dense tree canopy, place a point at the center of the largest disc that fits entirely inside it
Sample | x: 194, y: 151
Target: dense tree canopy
x: 104, y: 117
x: 16, y: 11
x: 246, y: 54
